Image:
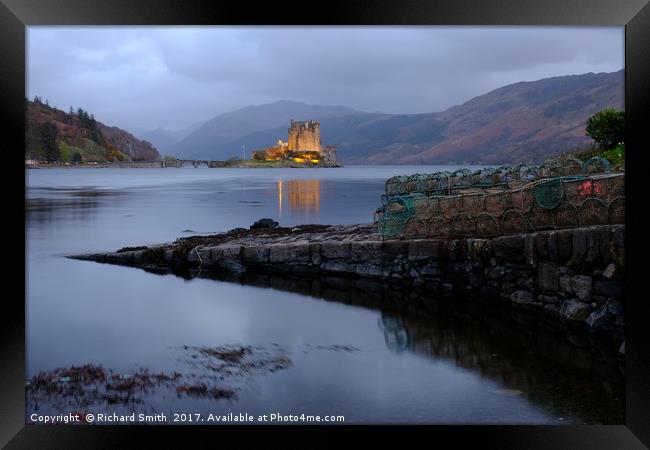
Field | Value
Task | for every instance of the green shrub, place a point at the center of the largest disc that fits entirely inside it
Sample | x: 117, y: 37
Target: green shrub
x: 607, y: 128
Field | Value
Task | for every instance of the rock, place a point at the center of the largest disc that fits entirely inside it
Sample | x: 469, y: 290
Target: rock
x: 530, y: 250
x: 315, y: 251
x: 230, y: 265
x: 560, y: 245
x: 423, y: 249
x: 614, y: 307
x: 598, y: 317
x: 237, y: 230
x: 228, y: 251
x: 596, y: 237
x: 494, y: 272
x: 581, y: 286
x: 447, y: 287
x: 552, y: 309
x: 579, y: 245
x: 395, y: 249
x: 138, y: 256
x: 608, y: 288
x: 168, y: 255
x: 256, y: 254
x: 509, y: 248
x: 565, y: 284
x: 475, y: 279
x: 430, y: 270
x: 338, y: 266
x: 335, y: 250
x: 290, y: 253
x: 525, y: 282
x: 264, y: 223
x: 548, y: 277
x: 573, y: 309
x: 522, y: 296
x: 193, y: 257
x: 365, y: 251
x: 488, y: 291
x: 541, y: 244
x: 549, y: 299
x: 599, y: 299
x: 368, y: 269
x: 609, y: 271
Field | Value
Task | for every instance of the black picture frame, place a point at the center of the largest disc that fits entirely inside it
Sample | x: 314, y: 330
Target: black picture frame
x: 15, y: 15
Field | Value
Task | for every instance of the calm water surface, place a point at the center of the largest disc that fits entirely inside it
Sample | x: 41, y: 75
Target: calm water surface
x: 356, y: 350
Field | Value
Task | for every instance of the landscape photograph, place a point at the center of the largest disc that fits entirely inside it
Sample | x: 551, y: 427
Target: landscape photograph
x: 287, y: 225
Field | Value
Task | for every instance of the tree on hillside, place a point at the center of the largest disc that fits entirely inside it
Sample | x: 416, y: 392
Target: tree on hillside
x: 40, y: 142
x: 607, y: 128
x: 76, y: 158
x: 50, y: 150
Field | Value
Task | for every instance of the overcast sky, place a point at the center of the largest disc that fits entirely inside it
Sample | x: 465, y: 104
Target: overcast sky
x: 172, y: 77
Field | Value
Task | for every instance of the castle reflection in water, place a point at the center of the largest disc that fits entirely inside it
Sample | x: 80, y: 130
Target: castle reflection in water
x: 299, y: 197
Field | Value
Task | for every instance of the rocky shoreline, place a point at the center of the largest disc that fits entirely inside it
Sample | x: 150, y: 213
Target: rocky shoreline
x: 574, y: 275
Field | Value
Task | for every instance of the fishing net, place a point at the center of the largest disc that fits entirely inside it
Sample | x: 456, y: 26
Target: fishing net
x: 548, y: 194
x: 438, y: 228
x: 394, y: 185
x: 593, y: 211
x: 540, y: 218
x: 462, y: 225
x: 397, y: 210
x: 410, y: 184
x: 523, y: 199
x: 613, y: 187
x: 449, y: 206
x: 513, y: 221
x: 497, y: 204
x: 427, y: 207
x: 596, y: 165
x: 577, y: 189
x: 551, y: 168
x: 526, y: 172
x: 502, y: 176
x: 572, y: 166
x: 566, y: 215
x: 471, y: 204
x: 487, y: 225
x: 492, y: 201
x: 616, y: 211
x: 415, y: 228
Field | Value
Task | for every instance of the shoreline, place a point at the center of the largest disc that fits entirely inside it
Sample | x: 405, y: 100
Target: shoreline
x: 169, y: 165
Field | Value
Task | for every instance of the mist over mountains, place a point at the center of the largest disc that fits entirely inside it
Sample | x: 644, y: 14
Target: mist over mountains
x: 525, y: 121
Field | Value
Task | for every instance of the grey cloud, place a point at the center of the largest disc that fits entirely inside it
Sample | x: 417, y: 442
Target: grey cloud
x: 145, y: 77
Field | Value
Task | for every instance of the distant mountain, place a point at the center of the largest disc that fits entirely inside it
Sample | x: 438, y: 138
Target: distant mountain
x: 163, y: 138
x: 160, y: 138
x: 220, y: 137
x: 54, y: 135
x: 526, y: 121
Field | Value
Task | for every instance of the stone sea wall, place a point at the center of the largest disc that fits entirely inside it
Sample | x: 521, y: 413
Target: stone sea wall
x: 573, y: 274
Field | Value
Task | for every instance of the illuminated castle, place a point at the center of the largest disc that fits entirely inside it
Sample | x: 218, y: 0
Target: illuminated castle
x: 303, y: 146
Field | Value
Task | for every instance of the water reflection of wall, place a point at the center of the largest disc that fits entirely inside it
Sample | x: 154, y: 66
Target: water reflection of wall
x: 299, y: 197
x: 569, y: 373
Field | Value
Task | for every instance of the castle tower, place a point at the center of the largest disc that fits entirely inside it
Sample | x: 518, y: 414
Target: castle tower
x: 304, y: 136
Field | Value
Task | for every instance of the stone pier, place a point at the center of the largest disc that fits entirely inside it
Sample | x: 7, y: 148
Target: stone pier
x: 574, y: 275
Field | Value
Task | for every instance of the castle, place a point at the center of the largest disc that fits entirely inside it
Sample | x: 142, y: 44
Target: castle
x: 303, y: 146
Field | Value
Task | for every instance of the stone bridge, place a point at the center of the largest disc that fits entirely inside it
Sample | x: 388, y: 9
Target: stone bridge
x: 193, y: 162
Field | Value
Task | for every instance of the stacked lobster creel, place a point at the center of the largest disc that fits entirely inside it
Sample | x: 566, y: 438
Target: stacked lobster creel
x: 495, y: 201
